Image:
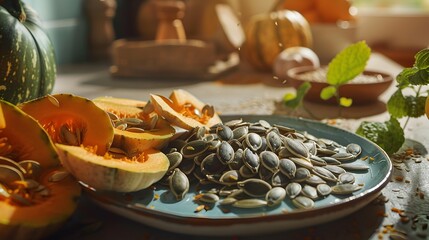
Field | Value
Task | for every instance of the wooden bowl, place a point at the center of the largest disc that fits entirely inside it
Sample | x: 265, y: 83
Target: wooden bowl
x: 361, y: 92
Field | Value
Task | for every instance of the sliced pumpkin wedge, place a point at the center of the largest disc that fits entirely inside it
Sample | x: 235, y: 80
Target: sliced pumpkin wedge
x: 184, y: 110
x: 110, y: 173
x: 136, y: 129
x: 72, y: 120
x: 22, y: 138
x: 36, y: 195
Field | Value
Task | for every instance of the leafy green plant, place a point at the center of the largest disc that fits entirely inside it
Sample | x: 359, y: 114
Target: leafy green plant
x: 346, y: 65
x: 390, y: 134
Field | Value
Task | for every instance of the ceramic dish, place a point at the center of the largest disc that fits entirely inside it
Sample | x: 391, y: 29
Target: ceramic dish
x: 360, y: 92
x: 158, y: 208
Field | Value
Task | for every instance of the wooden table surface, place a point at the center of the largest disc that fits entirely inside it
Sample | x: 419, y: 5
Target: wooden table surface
x: 402, y: 210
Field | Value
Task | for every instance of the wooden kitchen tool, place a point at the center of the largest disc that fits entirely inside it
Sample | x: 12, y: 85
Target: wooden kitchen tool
x: 171, y: 54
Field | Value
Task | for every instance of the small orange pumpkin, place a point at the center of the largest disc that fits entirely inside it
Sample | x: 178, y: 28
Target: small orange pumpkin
x: 269, y: 34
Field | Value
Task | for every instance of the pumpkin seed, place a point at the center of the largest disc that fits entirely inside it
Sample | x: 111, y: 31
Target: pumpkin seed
x: 302, y: 202
x: 225, y: 152
x: 208, y: 198
x: 253, y: 141
x: 250, y: 203
x: 354, y: 149
x: 346, y: 177
x: 10, y: 162
x: 303, y: 162
x: 309, y: 191
x: 323, y: 189
x: 245, y: 172
x: 230, y: 177
x: 224, y: 132
x: 10, y: 174
x: 175, y: 158
x: 269, y: 160
x: 324, y: 174
x: 227, y: 201
x: 274, y: 142
x: 296, y: 147
x: 240, y: 133
x: 251, y: 160
x: 334, y: 169
x: 67, y: 136
x: 301, y: 175
x: 344, y: 189
x: 212, y: 165
x: 354, y: 166
x: 314, y: 180
x: 279, y: 180
x: 254, y: 187
x: 275, y: 196
x: 287, y: 167
x: 53, y: 100
x: 179, y: 184
x: 58, y: 176
x: 293, y: 189
x: 194, y: 148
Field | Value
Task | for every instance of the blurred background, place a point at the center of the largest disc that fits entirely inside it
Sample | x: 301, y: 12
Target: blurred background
x: 396, y: 28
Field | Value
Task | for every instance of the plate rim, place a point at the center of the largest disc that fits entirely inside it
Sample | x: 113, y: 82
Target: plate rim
x: 201, y: 220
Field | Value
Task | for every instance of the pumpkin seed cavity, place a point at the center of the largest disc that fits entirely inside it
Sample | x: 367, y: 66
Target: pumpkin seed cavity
x: 18, y: 185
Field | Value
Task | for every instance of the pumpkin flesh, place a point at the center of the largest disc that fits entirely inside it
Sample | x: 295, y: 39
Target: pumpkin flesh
x: 43, y: 218
x: 16, y: 144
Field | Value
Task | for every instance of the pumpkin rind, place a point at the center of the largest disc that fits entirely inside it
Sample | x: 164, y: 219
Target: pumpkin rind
x: 81, y: 114
x: 122, y: 101
x: 269, y: 34
x: 27, y: 58
x: 111, y: 174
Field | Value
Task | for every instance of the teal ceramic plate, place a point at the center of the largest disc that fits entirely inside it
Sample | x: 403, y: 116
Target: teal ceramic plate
x: 158, y: 208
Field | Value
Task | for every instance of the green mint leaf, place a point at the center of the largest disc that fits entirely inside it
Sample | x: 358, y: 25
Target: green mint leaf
x: 403, y: 77
x: 388, y: 135
x: 422, y: 59
x: 328, y: 92
x: 415, y: 106
x: 421, y: 77
x: 348, y: 64
x: 346, y: 102
x: 396, y: 105
x: 294, y: 100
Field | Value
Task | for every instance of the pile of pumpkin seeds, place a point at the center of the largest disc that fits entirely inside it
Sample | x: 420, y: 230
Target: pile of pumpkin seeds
x: 251, y: 165
x: 18, y: 181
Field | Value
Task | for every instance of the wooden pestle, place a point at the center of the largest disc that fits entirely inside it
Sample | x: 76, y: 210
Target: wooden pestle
x: 170, y: 26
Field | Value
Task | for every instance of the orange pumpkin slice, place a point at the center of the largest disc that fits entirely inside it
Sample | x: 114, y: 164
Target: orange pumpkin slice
x: 41, y: 196
x: 152, y: 131
x: 72, y: 120
x: 110, y: 173
x: 184, y: 110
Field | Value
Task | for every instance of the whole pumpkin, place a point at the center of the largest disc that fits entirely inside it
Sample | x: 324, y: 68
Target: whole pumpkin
x: 27, y: 60
x: 269, y: 34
